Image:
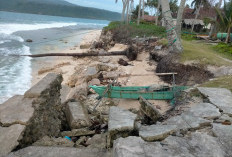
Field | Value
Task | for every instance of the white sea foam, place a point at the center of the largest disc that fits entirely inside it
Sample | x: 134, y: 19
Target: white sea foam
x: 15, y: 80
x: 11, y: 28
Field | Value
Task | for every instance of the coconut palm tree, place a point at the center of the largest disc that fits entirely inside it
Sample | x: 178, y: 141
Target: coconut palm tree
x: 124, y: 2
x: 143, y: 9
x: 197, y: 6
x: 179, y: 18
x: 174, y: 40
x: 139, y: 12
x: 225, y: 20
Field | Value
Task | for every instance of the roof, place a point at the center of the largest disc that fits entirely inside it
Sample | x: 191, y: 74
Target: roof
x: 149, y: 18
x: 204, y: 12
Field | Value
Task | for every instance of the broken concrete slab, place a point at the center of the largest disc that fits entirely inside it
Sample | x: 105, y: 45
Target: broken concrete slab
x: 121, y: 120
x: 91, y: 73
x: 10, y: 137
x: 121, y: 124
x: 220, y: 97
x: 205, y: 110
x: 78, y: 132
x: 224, y: 135
x: 36, y: 151
x: 49, y: 141
x: 16, y: 110
x: 43, y: 85
x: 77, y: 116
x: 156, y: 132
x: 186, y: 121
x: 149, y: 110
x: 64, y: 92
x: 196, y: 144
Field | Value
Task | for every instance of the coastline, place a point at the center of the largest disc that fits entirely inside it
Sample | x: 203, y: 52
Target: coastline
x: 63, y: 65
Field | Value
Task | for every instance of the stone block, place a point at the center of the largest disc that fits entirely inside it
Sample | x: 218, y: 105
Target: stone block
x: 77, y: 116
x: 16, y: 110
x: 10, y: 137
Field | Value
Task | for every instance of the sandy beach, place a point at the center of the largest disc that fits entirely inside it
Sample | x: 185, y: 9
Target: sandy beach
x: 64, y: 65
x: 69, y: 66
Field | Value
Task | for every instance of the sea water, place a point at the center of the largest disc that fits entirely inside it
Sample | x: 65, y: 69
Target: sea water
x: 15, y: 71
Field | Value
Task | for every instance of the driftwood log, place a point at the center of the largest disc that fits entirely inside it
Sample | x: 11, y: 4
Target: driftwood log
x: 130, y: 52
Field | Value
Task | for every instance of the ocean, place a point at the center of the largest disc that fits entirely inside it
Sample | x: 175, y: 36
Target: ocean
x: 45, y: 31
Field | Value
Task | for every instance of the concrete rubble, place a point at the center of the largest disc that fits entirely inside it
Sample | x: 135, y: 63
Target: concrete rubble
x: 220, y: 97
x: 121, y: 123
x: 156, y: 132
x: 77, y: 116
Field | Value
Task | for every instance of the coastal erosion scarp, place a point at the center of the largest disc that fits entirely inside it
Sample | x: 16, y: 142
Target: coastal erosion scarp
x: 25, y: 119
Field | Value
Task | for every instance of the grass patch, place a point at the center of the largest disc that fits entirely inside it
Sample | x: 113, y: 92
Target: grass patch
x: 202, y: 53
x: 144, y: 29
x: 188, y: 37
x: 224, y: 49
x: 221, y: 82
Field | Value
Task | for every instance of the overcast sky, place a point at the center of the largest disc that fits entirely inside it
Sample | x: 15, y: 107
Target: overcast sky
x: 104, y: 4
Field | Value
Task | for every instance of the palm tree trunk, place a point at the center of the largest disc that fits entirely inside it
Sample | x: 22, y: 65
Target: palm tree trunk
x: 213, y: 26
x: 123, y: 10
x: 157, y: 13
x: 179, y: 18
x: 228, y: 35
x: 139, y: 13
x: 143, y: 9
x: 127, y: 11
x: 173, y: 39
x: 197, y: 14
x: 131, y: 9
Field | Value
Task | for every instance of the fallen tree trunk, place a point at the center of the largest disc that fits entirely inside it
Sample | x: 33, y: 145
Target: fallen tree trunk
x: 131, y: 53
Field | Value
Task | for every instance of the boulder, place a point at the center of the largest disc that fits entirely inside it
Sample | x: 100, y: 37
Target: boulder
x: 16, y: 110
x: 78, y: 132
x: 49, y: 141
x: 205, y: 110
x: 91, y: 73
x: 10, y: 137
x: 220, y: 97
x: 36, y: 151
x: 77, y: 116
x: 224, y: 135
x: 156, y: 132
x: 149, y: 110
x: 121, y: 123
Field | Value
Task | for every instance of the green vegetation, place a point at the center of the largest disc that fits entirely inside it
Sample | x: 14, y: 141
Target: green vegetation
x: 188, y: 37
x: 57, y: 8
x: 224, y: 49
x: 144, y: 29
x: 222, y: 82
x: 202, y: 53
